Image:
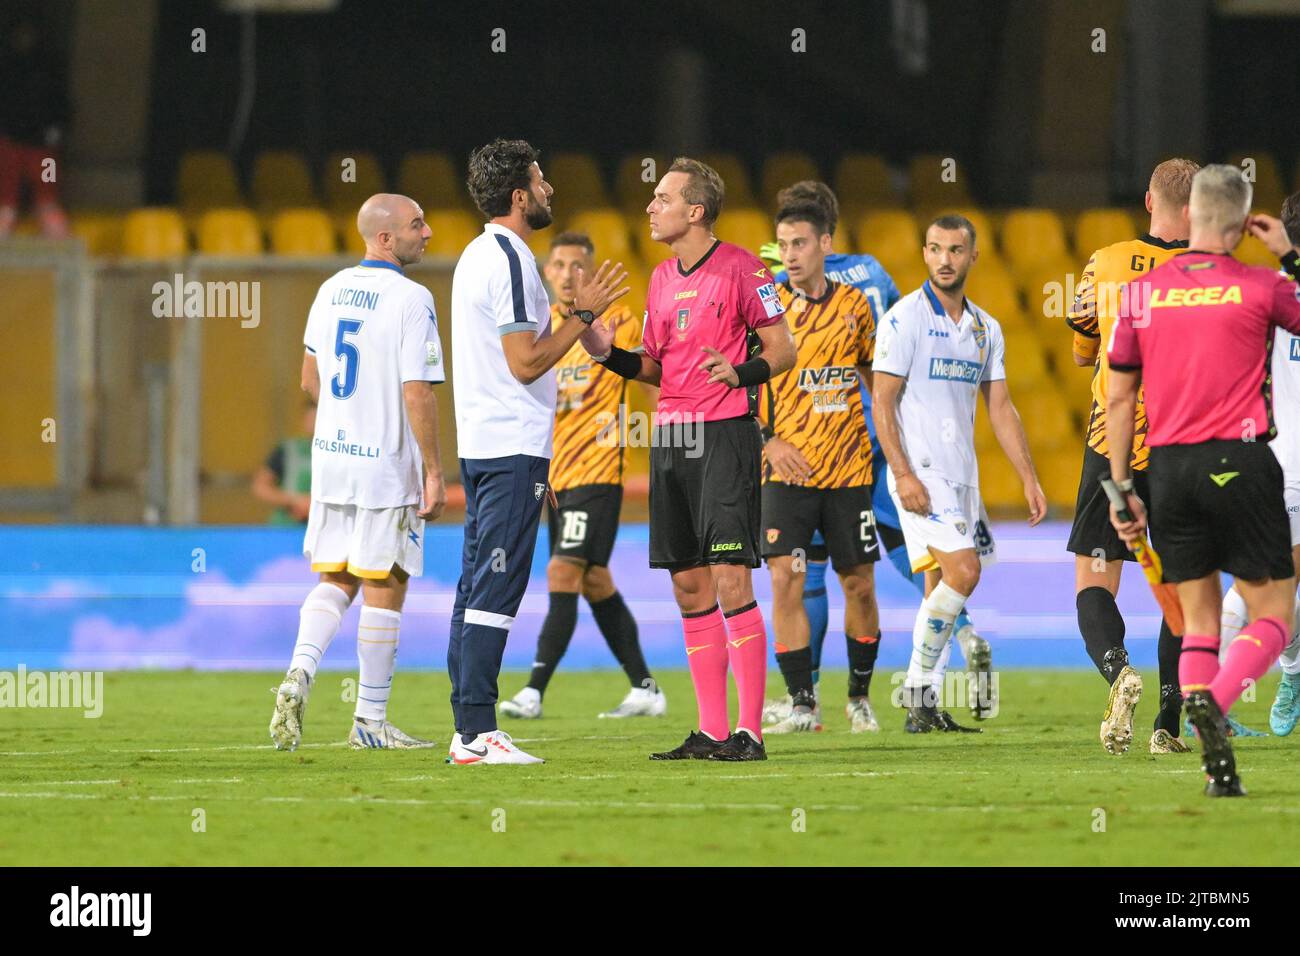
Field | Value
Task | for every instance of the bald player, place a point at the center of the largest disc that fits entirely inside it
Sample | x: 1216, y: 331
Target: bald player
x: 1099, y: 552
x: 372, y: 336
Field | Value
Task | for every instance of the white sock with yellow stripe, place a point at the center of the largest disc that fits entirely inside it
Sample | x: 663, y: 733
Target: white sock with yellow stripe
x: 377, y: 651
x: 318, y: 622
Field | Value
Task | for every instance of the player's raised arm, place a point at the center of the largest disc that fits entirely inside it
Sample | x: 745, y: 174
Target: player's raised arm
x: 1010, y: 433
x: 530, y: 356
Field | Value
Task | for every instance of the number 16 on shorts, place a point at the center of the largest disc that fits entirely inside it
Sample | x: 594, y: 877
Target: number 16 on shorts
x: 574, y: 529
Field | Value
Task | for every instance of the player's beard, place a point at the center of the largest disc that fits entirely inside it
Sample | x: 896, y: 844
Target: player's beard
x: 536, y: 215
x: 956, y: 282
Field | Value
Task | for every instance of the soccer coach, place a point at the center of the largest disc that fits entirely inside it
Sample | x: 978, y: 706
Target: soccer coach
x: 503, y: 354
x: 1197, y: 332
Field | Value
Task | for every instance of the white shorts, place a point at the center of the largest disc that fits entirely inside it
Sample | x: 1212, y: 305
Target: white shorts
x: 957, y: 521
x: 364, y: 542
x: 1291, y: 494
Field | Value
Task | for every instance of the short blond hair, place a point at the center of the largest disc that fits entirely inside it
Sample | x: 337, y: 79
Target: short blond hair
x: 704, y: 187
x: 1171, y: 181
x: 1220, y: 198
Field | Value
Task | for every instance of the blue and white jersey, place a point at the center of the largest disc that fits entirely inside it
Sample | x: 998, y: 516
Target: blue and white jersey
x: 496, y: 290
x: 371, y: 329
x: 943, y: 364
x: 1286, y: 403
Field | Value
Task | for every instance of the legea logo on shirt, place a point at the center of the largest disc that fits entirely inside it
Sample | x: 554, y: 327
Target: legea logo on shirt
x: 954, y: 370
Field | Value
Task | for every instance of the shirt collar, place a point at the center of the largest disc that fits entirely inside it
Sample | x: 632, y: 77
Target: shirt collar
x: 513, y: 236
x: 379, y: 264
x: 935, y: 304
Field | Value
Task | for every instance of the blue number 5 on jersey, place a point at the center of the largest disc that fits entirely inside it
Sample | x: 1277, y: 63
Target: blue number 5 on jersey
x: 344, y: 383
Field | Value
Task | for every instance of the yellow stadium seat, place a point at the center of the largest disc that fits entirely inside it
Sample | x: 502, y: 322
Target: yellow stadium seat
x: 747, y: 228
x: 453, y: 230
x: 540, y: 243
x: 891, y: 235
x: 634, y: 191
x: 154, y: 233
x: 927, y: 175
x: 990, y: 286
x: 607, y: 230
x: 1058, y: 473
x: 367, y: 179
x: 1048, y: 424
x: 431, y: 180
x: 101, y: 232
x: 784, y: 169
x: 1031, y: 238
x: 345, y: 227
x: 28, y: 365
x: 1097, y: 228
x: 281, y: 181
x: 302, y: 232
x: 862, y: 181
x: 1025, y: 363
x: 205, y: 179
x: 735, y: 179
x: 229, y: 232
x: 1269, y: 191
x: 1049, y: 291
x: 577, y: 181
x: 1255, y: 253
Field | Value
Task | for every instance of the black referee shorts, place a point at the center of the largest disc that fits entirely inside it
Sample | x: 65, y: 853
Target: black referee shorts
x: 704, y: 494
x: 1092, y: 531
x: 1218, y: 506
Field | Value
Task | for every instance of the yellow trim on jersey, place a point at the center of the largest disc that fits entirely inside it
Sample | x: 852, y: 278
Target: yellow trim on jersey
x: 329, y: 566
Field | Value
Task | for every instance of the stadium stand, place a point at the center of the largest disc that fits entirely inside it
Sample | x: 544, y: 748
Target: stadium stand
x: 302, y: 232
x: 582, y: 186
x: 782, y: 169
x: 1031, y: 238
x: 608, y: 231
x: 281, y: 181
x: 453, y: 230
x: 1097, y: 228
x: 862, y: 181
x: 229, y: 232
x: 735, y: 175
x: 431, y: 179
x: 206, y: 179
x: 154, y: 233
x: 369, y: 179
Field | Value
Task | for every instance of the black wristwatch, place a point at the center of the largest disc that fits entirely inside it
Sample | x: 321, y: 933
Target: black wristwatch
x: 585, y: 315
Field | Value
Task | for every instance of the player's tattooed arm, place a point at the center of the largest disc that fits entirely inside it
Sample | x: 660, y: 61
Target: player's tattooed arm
x: 1010, y: 433
x: 884, y: 412
x: 310, y: 376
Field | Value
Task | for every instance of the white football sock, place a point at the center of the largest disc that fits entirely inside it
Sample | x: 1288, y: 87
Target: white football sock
x: 377, y: 650
x: 1290, y: 659
x: 1231, y: 620
x: 318, y: 623
x: 941, y: 670
x: 931, y: 631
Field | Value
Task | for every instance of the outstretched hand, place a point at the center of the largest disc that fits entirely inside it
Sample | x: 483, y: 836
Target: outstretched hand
x: 596, y: 293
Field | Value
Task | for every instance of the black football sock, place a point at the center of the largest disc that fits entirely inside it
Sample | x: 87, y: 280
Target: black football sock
x: 618, y: 626
x: 862, y: 663
x: 1102, y: 627
x: 553, y: 641
x: 796, y: 668
x: 1171, y: 694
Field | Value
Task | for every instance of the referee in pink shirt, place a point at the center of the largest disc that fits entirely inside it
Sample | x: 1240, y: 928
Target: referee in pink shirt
x: 1196, y: 332
x: 715, y: 331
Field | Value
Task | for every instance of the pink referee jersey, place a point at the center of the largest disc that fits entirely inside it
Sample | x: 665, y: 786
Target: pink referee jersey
x: 717, y: 303
x: 1200, y: 329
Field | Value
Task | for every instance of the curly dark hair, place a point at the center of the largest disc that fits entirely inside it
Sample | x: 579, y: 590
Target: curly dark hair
x: 496, y: 171
x: 810, y: 190
x: 810, y: 211
x: 1291, y: 218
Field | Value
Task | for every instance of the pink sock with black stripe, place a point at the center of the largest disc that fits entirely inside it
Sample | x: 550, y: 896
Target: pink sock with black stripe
x: 1199, y: 662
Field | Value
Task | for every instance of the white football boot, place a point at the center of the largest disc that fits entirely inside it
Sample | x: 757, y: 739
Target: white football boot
x: 862, y: 719
x: 799, y: 721
x: 381, y: 735
x: 1117, y: 723
x: 640, y: 702
x: 525, y: 705
x: 981, y: 688
x: 777, y: 709
x: 495, y: 746
x: 290, y: 705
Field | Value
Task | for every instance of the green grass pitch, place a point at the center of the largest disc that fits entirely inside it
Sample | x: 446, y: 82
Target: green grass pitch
x: 127, y: 788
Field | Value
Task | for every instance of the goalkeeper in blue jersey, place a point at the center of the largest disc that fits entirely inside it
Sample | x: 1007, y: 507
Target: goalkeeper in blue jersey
x: 870, y: 277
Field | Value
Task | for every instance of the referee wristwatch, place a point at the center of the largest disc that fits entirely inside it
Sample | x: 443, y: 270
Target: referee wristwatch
x: 586, y: 316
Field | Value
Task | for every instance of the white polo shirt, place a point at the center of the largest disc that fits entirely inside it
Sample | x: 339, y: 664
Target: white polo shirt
x: 495, y: 291
x: 943, y: 364
x: 371, y: 329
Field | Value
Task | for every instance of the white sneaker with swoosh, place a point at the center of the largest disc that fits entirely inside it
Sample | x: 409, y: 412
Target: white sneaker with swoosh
x: 495, y: 746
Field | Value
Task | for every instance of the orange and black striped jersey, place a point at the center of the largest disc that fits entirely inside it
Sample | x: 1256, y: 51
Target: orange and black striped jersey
x: 587, y: 449
x: 1093, y: 315
x: 817, y: 405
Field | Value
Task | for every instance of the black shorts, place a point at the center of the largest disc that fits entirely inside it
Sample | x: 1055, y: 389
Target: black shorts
x: 704, y: 494
x: 792, y: 514
x: 1092, y: 531
x: 586, y: 523
x: 1219, y: 507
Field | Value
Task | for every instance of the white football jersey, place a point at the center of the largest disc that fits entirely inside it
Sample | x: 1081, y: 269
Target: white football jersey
x: 943, y: 365
x: 496, y: 290
x: 371, y: 329
x: 1286, y: 403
